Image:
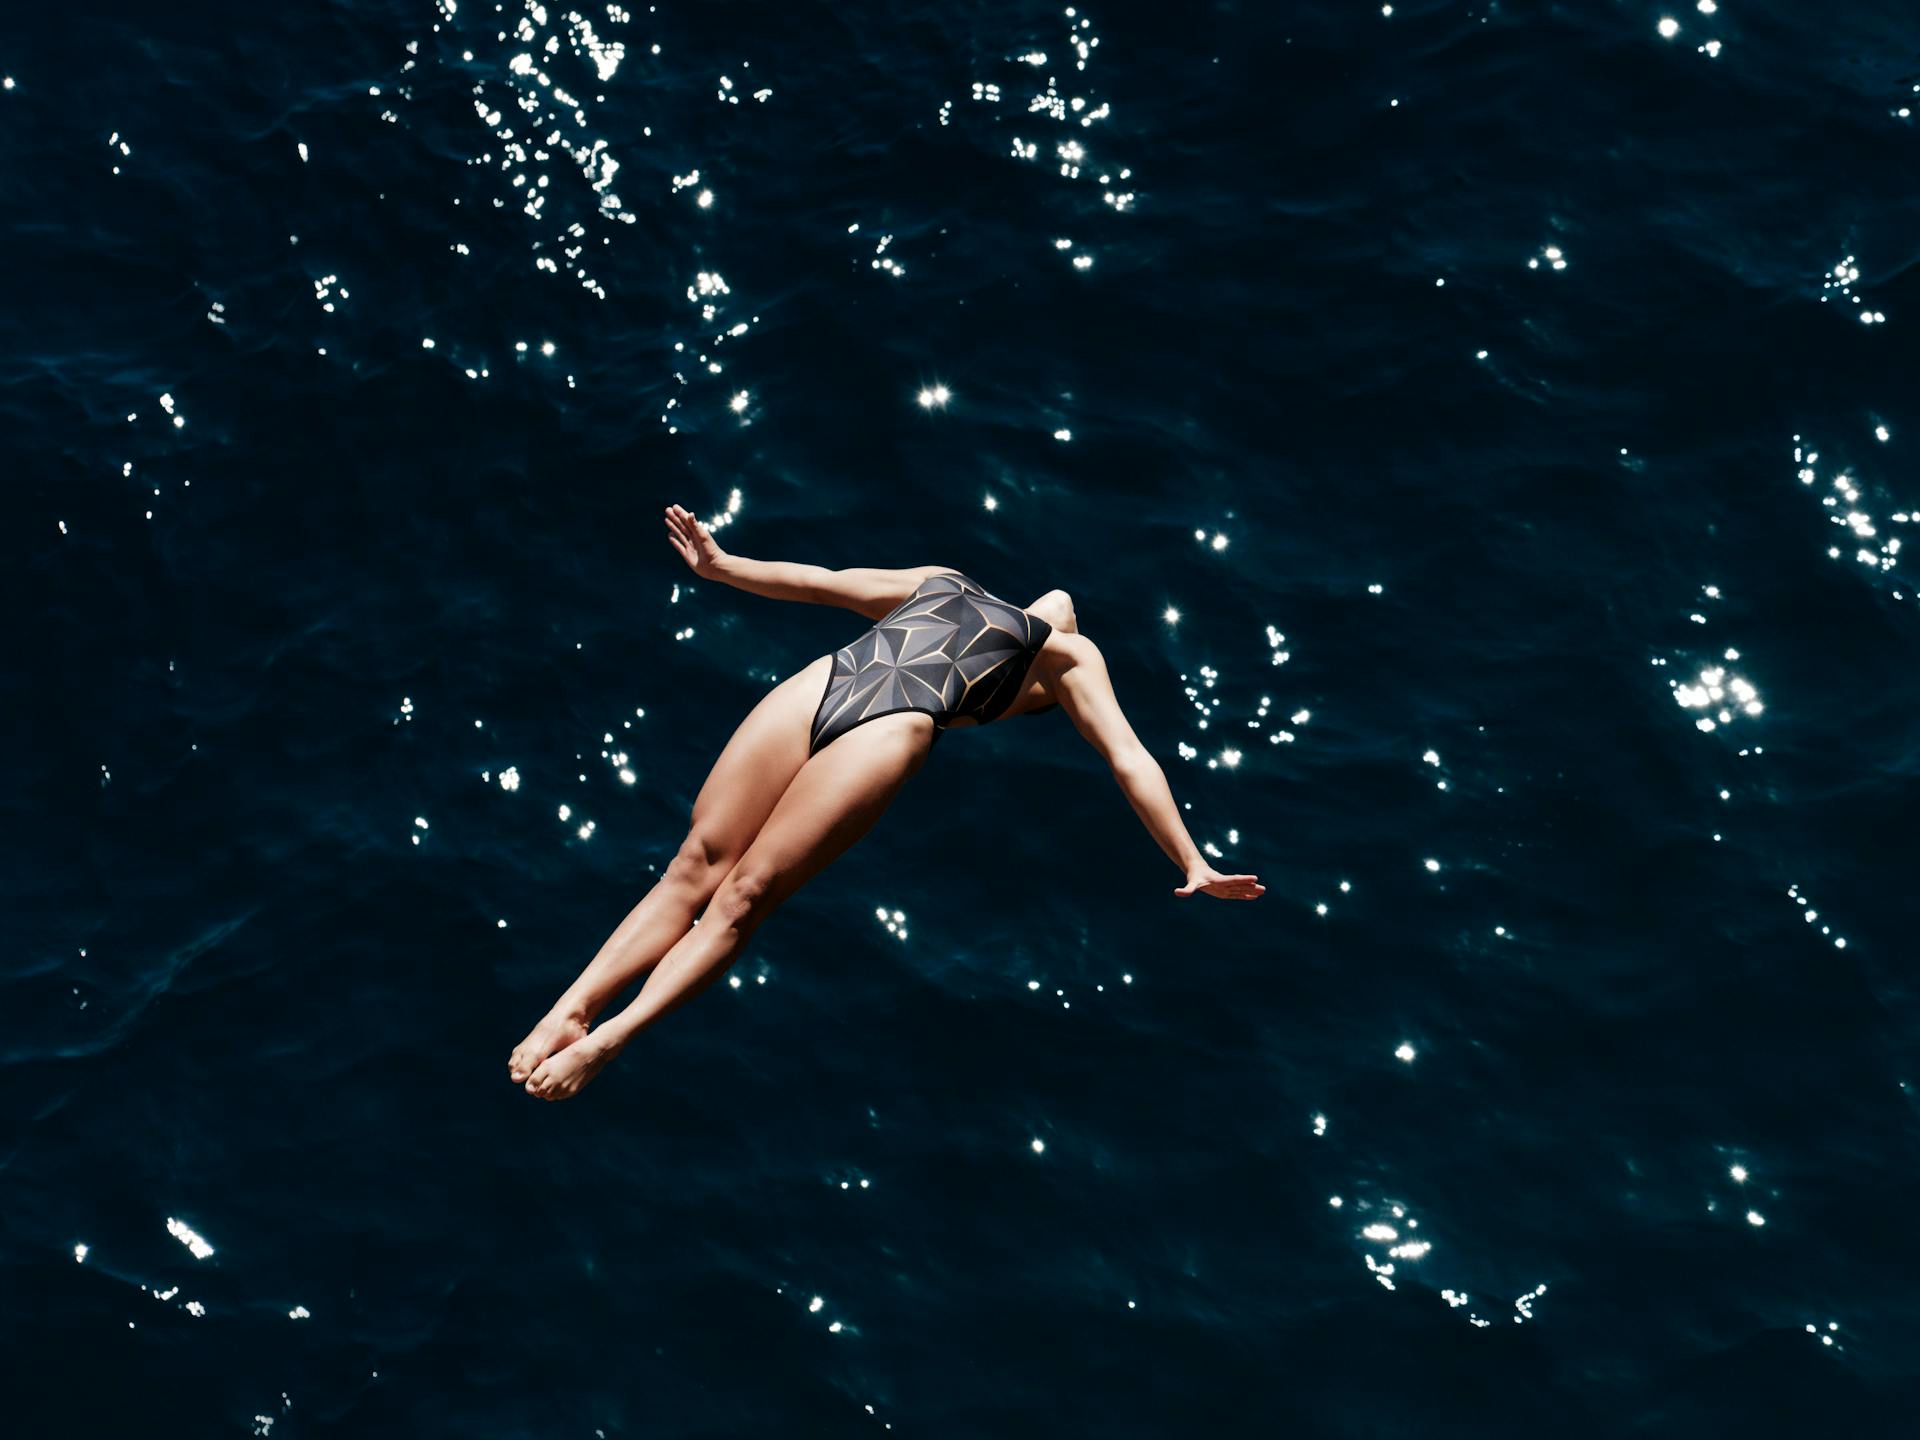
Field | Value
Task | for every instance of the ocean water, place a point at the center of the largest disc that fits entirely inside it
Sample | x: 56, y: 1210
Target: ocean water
x: 1480, y: 438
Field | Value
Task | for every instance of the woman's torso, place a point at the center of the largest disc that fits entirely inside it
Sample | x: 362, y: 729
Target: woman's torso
x: 951, y: 650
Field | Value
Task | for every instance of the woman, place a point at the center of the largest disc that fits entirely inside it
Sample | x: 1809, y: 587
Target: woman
x: 817, y: 760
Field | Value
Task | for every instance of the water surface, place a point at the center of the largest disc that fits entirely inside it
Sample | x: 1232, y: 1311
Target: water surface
x: 1477, y: 437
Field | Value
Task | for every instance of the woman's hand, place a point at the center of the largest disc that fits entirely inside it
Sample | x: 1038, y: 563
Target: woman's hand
x: 1203, y: 879
x: 694, y: 542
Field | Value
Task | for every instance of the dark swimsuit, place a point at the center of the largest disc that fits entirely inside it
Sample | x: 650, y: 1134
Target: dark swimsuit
x: 948, y: 650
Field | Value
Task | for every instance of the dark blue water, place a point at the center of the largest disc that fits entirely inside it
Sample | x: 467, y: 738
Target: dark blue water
x: 1514, y: 404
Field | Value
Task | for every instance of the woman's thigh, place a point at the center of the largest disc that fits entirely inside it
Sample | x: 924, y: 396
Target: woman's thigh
x: 766, y: 751
x: 834, y: 800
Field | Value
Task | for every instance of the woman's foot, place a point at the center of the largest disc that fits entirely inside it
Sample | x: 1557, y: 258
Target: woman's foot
x: 564, y: 1074
x: 559, y: 1030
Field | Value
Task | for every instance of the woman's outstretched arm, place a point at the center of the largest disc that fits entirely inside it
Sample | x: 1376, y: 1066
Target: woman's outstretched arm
x: 871, y: 592
x: 1085, y: 692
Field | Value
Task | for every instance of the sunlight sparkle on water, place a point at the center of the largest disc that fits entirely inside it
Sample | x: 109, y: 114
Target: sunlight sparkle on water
x: 1718, y: 691
x: 883, y: 261
x: 185, y: 1234
x: 1854, y: 517
x: 934, y: 397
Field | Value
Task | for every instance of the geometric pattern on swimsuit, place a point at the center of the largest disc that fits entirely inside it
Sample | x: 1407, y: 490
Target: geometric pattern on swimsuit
x: 949, y: 649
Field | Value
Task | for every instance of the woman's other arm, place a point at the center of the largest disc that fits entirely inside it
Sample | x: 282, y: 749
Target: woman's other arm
x: 1086, y: 693
x: 872, y: 592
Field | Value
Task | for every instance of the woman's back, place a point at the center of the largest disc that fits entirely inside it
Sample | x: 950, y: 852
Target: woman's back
x: 951, y: 649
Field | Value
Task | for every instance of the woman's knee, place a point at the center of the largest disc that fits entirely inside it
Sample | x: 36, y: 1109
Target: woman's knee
x: 1056, y: 607
x: 700, y: 862
x: 745, y: 896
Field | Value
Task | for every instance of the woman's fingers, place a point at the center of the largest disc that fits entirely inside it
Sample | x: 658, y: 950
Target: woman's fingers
x: 1238, y: 887
x: 679, y: 543
x: 688, y: 527
x: 689, y: 537
x: 1225, y: 887
x: 681, y: 533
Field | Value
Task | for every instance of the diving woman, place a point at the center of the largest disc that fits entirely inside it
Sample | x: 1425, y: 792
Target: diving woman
x: 817, y: 761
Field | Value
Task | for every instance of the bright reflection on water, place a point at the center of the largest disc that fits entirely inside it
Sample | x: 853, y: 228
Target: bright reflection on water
x: 567, y: 184
x: 1074, y: 107
x: 559, y: 169
x: 1865, y: 539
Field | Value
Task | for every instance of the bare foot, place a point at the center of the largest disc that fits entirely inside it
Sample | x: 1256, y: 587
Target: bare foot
x: 565, y: 1073
x: 556, y: 1032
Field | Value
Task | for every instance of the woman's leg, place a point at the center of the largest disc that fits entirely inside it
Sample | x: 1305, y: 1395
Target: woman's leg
x: 765, y: 753
x: 832, y: 802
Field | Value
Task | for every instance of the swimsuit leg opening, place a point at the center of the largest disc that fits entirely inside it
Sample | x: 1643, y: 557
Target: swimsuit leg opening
x: 813, y: 725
